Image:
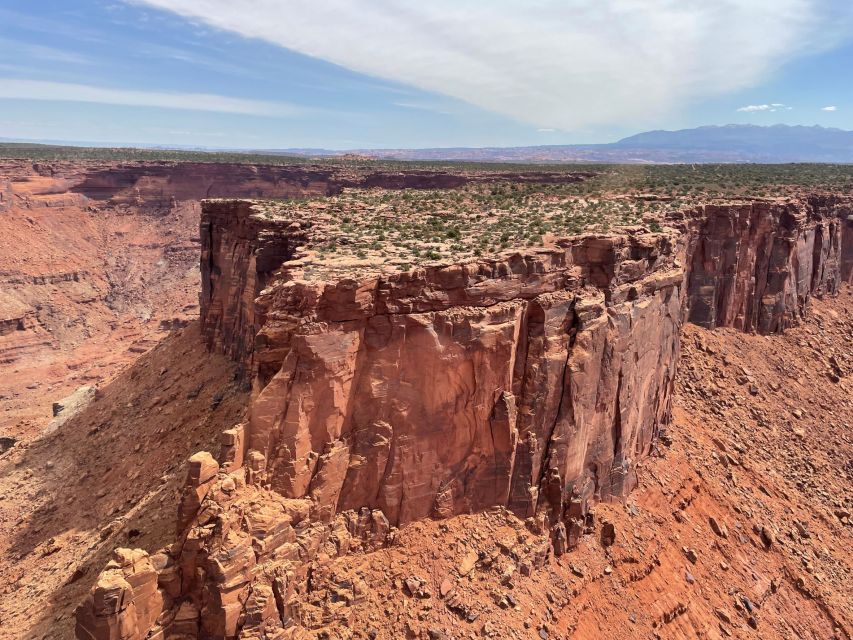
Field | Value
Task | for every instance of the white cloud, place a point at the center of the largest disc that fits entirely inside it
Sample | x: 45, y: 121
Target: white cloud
x: 563, y: 64
x: 422, y: 107
x: 830, y: 108
x: 64, y: 91
x: 755, y: 107
x: 773, y: 107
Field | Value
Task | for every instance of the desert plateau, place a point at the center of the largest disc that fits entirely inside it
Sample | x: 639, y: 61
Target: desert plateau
x: 426, y: 321
x: 343, y: 400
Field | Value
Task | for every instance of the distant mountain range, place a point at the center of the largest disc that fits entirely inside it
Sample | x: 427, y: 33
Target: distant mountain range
x: 729, y: 143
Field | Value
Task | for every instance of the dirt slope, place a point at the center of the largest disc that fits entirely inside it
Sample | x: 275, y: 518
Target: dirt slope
x: 106, y: 478
x: 85, y: 287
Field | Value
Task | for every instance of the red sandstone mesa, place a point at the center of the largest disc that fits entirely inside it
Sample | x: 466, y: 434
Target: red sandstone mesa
x: 533, y: 380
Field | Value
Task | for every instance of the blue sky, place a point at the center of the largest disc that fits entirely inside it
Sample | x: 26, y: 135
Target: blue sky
x: 395, y: 73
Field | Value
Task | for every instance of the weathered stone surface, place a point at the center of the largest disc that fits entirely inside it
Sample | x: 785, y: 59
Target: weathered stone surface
x: 754, y: 266
x: 533, y: 381
x: 125, y: 603
x: 847, y: 246
x: 201, y: 474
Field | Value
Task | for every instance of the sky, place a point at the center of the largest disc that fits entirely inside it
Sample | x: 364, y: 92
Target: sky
x: 349, y: 74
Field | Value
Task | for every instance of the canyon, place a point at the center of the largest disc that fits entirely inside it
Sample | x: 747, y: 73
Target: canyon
x: 354, y: 411
x: 100, y: 259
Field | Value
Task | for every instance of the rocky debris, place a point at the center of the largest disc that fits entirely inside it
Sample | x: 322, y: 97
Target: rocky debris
x: 416, y: 587
x: 717, y: 528
x: 608, y: 534
x: 6, y: 443
x: 70, y: 406
x: 469, y: 561
x: 767, y: 536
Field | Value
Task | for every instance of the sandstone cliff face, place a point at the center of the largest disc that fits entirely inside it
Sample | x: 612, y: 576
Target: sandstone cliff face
x: 754, y: 266
x: 5, y: 195
x: 447, y: 389
x: 159, y: 184
x: 847, y: 247
x: 535, y: 381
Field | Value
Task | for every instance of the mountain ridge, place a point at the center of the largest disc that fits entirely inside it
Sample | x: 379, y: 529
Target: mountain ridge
x: 706, y: 144
x: 731, y: 143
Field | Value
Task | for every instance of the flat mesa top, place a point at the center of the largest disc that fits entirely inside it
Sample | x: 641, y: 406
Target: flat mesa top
x: 386, y: 230
x: 376, y: 230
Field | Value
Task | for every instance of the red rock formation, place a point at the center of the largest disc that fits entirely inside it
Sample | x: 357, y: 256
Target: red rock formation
x: 754, y: 266
x: 847, y: 248
x: 159, y: 183
x: 5, y: 195
x: 415, y: 393
x: 534, y: 380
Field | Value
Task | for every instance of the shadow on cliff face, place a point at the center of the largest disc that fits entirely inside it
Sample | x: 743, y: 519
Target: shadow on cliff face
x: 158, y: 183
x: 108, y: 478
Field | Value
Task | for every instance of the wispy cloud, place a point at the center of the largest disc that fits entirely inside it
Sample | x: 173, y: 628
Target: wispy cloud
x: 30, y: 51
x: 775, y: 106
x: 422, y: 107
x: 68, y: 92
x: 564, y: 64
x: 830, y: 108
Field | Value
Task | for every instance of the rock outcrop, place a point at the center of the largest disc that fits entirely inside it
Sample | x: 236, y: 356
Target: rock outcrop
x: 6, y: 195
x: 754, y: 266
x: 158, y: 184
x: 534, y: 380
x: 451, y: 388
x: 847, y: 248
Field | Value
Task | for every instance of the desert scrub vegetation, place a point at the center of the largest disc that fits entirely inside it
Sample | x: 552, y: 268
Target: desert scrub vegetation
x: 395, y: 229
x: 669, y: 180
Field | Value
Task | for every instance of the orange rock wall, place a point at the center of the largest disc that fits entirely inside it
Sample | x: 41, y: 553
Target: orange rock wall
x: 847, y: 248
x: 447, y: 389
x: 536, y: 381
x: 754, y: 266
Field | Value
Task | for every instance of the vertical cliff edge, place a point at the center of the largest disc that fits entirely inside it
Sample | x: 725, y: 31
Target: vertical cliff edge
x: 534, y: 379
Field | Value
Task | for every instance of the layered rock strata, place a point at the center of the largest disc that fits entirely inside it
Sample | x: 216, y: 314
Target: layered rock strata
x: 753, y: 266
x: 535, y: 380
x: 159, y: 184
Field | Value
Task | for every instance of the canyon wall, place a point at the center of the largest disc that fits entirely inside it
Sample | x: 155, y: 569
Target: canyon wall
x: 535, y: 380
x: 753, y: 266
x: 5, y: 194
x: 481, y: 379
x: 847, y: 247
x: 450, y: 389
x: 159, y: 183
x: 98, y: 260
